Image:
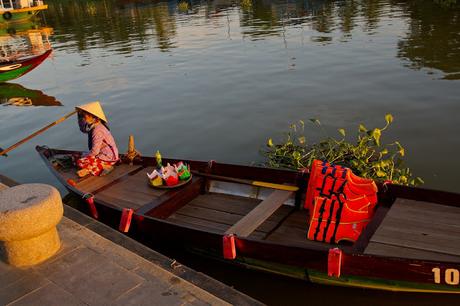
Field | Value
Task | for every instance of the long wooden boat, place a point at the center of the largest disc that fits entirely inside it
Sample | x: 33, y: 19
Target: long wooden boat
x: 411, y: 244
x: 14, y: 69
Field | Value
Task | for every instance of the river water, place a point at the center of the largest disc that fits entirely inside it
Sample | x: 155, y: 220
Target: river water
x: 214, y: 79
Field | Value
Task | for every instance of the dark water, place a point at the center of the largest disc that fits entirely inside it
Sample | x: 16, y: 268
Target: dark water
x: 214, y: 79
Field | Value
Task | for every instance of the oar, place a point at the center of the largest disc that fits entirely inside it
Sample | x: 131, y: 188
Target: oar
x: 248, y: 182
x: 3, y: 152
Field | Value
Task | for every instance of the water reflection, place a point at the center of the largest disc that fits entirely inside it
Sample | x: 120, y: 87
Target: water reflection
x: 17, y: 95
x: 126, y: 27
x: 24, y: 39
x: 433, y: 39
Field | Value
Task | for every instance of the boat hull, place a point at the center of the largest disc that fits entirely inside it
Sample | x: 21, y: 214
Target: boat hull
x: 311, y: 267
x: 15, y: 69
x: 307, y: 263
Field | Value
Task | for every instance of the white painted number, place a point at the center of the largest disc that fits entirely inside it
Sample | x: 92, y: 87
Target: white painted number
x: 451, y: 276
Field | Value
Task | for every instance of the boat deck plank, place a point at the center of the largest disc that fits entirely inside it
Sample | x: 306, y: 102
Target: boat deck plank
x: 426, y: 230
x: 94, y: 183
x: 250, y: 222
x: 207, y: 225
x: 134, y: 191
x: 219, y: 212
x: 118, y: 201
x: 293, y: 231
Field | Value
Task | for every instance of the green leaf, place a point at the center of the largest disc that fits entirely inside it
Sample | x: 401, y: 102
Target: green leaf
x: 342, y: 132
x: 315, y: 121
x: 362, y: 128
x: 401, y: 151
x: 385, y: 163
x: 389, y: 118
x: 296, y: 155
x: 376, y: 133
x: 419, y: 181
x: 384, y: 151
x: 381, y: 173
x: 302, y: 123
x: 269, y: 142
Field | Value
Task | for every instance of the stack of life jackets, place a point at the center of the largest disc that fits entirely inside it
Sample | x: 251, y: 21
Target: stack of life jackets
x: 340, y: 203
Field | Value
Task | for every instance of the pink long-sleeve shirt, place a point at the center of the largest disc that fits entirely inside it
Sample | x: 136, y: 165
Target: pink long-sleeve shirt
x: 102, y: 144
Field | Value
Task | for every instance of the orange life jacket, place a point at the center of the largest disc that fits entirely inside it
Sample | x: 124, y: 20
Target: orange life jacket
x: 336, y: 219
x: 327, y: 180
x: 340, y: 203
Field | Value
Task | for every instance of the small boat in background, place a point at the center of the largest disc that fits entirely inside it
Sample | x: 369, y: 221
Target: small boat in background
x: 19, y: 10
x: 255, y: 217
x: 13, y: 69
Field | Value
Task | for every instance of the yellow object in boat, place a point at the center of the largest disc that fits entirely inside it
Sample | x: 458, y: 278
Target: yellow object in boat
x: 158, y: 181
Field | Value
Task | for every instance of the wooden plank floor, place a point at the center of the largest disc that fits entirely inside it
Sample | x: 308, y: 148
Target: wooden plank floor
x: 218, y: 212
x: 131, y: 192
x: 420, y: 230
x: 94, y: 183
x: 293, y: 231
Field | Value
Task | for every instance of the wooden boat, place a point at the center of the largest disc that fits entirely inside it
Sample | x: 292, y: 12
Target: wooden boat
x: 15, y: 68
x: 411, y: 244
x: 19, y: 10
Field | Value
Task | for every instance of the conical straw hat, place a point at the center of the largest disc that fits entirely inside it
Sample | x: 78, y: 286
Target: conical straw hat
x: 94, y: 108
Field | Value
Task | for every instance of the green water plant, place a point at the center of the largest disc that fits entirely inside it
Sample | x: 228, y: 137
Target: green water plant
x: 367, y: 155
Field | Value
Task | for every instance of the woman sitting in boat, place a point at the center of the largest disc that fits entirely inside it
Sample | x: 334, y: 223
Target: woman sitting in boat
x: 103, y: 152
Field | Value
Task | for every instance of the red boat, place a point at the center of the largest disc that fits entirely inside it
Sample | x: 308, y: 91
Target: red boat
x: 255, y: 217
x: 13, y: 69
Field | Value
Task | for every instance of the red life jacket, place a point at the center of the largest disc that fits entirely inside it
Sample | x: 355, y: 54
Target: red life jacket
x: 340, y: 203
x: 326, y: 180
x: 336, y: 219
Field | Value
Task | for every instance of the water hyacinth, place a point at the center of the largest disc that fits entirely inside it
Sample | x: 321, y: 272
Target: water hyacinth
x: 367, y: 156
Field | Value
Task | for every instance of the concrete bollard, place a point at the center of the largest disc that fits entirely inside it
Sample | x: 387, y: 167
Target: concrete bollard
x: 29, y: 214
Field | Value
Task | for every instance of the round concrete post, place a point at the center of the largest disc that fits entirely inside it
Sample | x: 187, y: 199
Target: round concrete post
x: 29, y: 214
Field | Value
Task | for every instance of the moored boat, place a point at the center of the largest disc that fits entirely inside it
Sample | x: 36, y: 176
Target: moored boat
x: 19, y: 11
x: 254, y: 217
x: 13, y: 69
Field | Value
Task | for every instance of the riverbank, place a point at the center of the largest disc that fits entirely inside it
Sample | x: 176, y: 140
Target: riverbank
x: 99, y: 266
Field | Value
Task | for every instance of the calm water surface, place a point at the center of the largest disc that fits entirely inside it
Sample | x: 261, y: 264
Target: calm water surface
x: 213, y: 80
